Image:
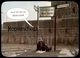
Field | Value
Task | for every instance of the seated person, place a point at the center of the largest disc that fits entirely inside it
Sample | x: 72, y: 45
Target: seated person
x: 42, y: 47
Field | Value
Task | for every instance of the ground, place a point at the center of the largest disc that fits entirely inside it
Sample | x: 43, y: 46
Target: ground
x: 23, y: 50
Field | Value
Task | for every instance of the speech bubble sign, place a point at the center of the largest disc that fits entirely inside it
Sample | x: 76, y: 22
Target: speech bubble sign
x: 18, y: 13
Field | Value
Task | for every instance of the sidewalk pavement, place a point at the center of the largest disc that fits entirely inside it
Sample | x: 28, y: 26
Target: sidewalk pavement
x: 23, y: 50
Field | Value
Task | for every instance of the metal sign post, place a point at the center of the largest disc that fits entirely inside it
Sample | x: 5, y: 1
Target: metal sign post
x: 38, y: 22
x: 55, y: 29
x: 46, y: 11
x: 37, y: 10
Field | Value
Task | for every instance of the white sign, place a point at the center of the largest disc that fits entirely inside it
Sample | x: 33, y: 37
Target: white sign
x: 46, y: 11
x: 18, y: 13
x: 63, y: 5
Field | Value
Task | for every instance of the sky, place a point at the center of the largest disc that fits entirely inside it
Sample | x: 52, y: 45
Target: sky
x: 28, y: 5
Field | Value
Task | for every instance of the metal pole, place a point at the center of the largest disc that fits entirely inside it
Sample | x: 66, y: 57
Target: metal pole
x: 37, y: 10
x: 55, y: 28
x: 37, y: 23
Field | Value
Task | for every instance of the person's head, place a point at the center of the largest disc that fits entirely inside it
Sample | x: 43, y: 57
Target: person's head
x: 40, y: 39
